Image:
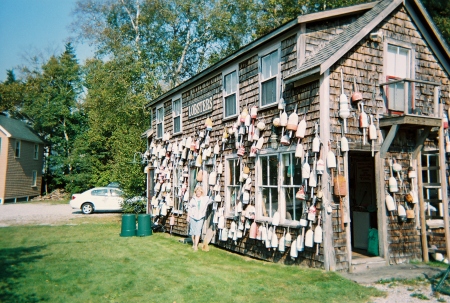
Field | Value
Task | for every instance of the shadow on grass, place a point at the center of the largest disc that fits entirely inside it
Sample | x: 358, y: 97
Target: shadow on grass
x: 11, y: 262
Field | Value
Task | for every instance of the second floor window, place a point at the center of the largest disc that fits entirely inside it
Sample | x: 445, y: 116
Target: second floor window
x: 17, y: 149
x: 398, y: 67
x: 159, y: 122
x: 230, y: 98
x: 269, y: 73
x: 176, y: 109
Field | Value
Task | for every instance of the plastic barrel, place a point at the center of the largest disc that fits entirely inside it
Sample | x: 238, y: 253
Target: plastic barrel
x: 128, y: 225
x: 144, y: 225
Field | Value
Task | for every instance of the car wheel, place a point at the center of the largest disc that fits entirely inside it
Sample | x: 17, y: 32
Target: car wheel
x: 87, y: 208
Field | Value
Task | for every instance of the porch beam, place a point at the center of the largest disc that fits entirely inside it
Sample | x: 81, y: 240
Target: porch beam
x: 388, y: 140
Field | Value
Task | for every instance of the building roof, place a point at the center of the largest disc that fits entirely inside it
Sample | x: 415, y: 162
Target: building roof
x: 323, y: 15
x: 373, y: 14
x: 356, y: 31
x: 18, y: 130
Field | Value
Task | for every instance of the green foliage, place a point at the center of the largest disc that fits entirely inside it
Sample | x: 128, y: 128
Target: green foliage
x: 88, y: 261
x: 440, y: 13
x: 134, y: 206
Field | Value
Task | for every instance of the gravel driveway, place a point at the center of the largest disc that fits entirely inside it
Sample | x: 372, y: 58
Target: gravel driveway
x: 40, y: 213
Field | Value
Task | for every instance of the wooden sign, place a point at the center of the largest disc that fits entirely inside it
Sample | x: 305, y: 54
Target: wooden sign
x: 200, y: 108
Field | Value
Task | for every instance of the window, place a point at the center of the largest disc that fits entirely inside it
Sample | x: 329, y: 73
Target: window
x: 176, y: 111
x: 431, y: 181
x: 116, y: 193
x: 34, y: 178
x: 17, y: 149
x: 233, y: 187
x: 398, y: 67
x: 100, y: 192
x: 177, y: 188
x: 269, y: 72
x: 36, y: 152
x: 279, y: 180
x: 159, y: 122
x: 230, y: 94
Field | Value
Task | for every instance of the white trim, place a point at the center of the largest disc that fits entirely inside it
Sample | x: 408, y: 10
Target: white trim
x: 5, y: 132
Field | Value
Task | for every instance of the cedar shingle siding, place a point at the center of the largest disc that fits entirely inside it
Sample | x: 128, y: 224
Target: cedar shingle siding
x: 311, y: 73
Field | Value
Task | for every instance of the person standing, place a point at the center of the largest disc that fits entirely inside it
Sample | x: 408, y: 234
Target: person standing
x: 196, y: 215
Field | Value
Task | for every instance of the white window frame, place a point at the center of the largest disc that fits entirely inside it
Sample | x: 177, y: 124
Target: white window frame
x: 34, y: 178
x: 225, y: 73
x: 280, y: 187
x: 36, y: 152
x: 277, y: 76
x: 159, y: 120
x: 17, y: 148
x: 230, y: 210
x: 392, y: 88
x: 432, y: 191
x: 177, y: 115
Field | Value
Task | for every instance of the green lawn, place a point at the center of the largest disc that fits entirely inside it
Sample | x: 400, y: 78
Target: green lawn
x: 88, y: 261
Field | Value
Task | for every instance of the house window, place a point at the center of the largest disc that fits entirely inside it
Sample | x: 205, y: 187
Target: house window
x: 233, y: 187
x: 36, y: 152
x: 279, y: 180
x: 230, y: 94
x: 431, y: 182
x: 176, y: 111
x: 34, y: 178
x: 398, y: 67
x: 177, y: 188
x: 159, y: 122
x: 269, y: 72
x: 17, y: 149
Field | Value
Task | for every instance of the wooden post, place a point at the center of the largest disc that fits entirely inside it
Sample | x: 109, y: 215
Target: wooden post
x: 327, y: 223
x: 423, y: 227
x: 443, y: 172
x: 380, y: 187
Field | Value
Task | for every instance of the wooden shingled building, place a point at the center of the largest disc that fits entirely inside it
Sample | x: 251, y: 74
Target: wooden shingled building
x: 323, y: 143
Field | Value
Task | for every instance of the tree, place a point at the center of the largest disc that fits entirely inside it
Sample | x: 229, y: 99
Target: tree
x: 10, y: 92
x: 439, y: 11
x: 50, y: 105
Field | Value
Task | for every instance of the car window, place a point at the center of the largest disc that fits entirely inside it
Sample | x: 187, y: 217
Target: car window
x: 116, y: 193
x: 100, y: 192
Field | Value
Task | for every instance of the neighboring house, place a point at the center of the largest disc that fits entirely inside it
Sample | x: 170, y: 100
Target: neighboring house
x: 391, y: 202
x: 21, y: 161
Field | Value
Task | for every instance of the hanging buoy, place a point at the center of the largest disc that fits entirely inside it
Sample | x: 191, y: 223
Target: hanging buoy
x: 344, y: 144
x: 390, y: 202
x: 372, y: 134
x: 331, y: 157
x: 309, y: 237
x: 301, y: 129
x: 292, y: 123
x: 344, y: 111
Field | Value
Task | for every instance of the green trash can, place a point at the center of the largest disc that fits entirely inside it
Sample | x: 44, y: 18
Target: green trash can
x: 128, y: 225
x: 144, y: 225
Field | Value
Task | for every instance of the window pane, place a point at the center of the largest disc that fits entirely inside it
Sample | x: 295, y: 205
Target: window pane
x: 434, y: 178
x: 177, y: 107
x: 270, y: 202
x: 266, y: 67
x: 293, y: 206
x: 433, y: 160
x: 230, y: 105
x: 269, y: 91
x: 177, y: 124
x: 159, y: 130
x: 265, y: 171
x: 273, y: 170
x: 402, y: 63
x: 392, y: 52
x: 230, y: 83
x: 287, y: 169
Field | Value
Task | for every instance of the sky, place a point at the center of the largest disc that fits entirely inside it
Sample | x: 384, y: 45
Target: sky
x: 29, y: 27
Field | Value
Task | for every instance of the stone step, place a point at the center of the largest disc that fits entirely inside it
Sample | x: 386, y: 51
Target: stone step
x: 364, y: 264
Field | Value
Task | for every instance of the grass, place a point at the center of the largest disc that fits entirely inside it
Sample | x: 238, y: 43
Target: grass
x: 90, y: 262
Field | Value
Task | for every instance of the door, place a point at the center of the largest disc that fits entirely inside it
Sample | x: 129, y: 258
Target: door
x: 363, y: 204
